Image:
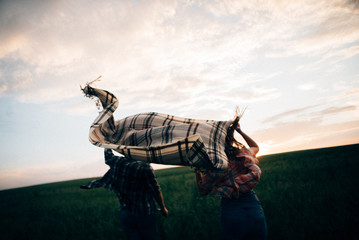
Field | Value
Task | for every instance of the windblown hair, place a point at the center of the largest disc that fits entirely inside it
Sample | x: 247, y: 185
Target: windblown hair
x: 232, y: 145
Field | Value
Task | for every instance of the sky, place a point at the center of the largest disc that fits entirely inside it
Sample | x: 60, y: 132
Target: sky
x: 292, y: 64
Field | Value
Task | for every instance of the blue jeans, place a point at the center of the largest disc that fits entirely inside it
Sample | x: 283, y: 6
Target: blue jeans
x: 135, y: 227
x: 243, y: 218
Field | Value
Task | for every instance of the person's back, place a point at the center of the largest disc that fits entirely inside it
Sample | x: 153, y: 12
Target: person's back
x: 135, y: 185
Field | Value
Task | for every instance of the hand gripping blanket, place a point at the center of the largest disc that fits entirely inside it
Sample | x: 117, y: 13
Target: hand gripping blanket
x: 159, y: 138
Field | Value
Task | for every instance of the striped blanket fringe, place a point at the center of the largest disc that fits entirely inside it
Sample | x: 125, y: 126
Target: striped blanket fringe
x: 159, y: 138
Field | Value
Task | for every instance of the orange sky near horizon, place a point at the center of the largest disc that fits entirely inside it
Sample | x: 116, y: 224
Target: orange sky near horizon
x: 292, y: 64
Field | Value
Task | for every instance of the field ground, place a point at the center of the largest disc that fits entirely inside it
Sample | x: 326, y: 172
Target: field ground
x: 311, y: 194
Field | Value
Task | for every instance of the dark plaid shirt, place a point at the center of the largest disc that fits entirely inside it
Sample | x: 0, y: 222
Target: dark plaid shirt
x: 134, y: 183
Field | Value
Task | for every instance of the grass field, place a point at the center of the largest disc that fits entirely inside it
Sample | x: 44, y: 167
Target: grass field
x: 311, y: 194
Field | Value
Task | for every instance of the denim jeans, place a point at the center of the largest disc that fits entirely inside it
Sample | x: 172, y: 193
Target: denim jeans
x: 243, y: 218
x: 141, y: 227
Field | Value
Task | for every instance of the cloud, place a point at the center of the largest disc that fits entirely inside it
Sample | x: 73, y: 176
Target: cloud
x: 334, y: 110
x: 306, y: 134
x: 68, y: 38
x: 307, y: 86
x: 194, y: 59
x: 348, y: 91
x: 154, y: 55
x: 290, y: 113
x: 304, y: 113
x: 147, y: 43
x: 308, y: 28
x: 19, y: 19
x: 309, y: 127
x: 332, y: 58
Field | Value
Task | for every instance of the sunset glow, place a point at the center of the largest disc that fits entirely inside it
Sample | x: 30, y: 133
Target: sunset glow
x: 293, y: 64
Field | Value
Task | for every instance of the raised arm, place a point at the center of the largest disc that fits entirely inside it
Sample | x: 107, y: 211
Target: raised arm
x: 251, y: 143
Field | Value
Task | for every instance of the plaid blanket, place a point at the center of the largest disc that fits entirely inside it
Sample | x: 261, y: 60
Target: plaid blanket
x: 159, y: 138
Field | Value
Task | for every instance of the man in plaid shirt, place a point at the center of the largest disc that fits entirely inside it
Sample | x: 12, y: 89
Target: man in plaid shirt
x: 135, y: 185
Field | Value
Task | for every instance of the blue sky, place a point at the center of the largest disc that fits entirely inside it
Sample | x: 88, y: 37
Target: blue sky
x: 293, y: 64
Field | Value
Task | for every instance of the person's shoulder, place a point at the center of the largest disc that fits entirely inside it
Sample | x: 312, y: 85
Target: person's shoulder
x: 129, y: 163
x: 138, y: 164
x: 145, y: 166
x: 122, y: 161
x: 247, y: 151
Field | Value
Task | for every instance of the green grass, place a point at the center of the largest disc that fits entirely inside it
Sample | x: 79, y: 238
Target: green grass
x: 310, y: 194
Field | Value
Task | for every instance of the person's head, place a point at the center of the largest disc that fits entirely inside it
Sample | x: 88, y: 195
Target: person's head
x: 233, y: 147
x: 233, y: 150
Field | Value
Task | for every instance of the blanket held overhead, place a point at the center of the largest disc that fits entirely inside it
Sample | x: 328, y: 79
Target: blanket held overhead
x: 159, y: 138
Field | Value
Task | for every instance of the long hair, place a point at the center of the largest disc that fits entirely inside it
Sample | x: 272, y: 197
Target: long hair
x: 232, y: 145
